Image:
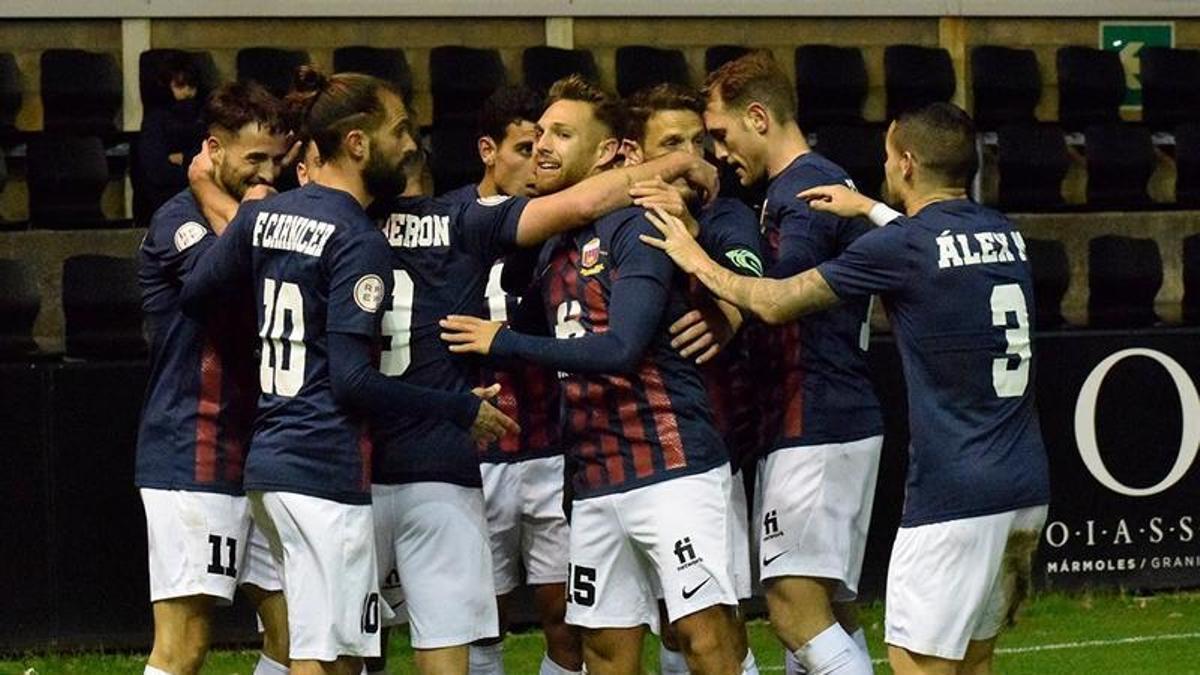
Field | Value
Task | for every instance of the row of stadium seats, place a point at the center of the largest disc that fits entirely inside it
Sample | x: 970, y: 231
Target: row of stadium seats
x: 102, y: 302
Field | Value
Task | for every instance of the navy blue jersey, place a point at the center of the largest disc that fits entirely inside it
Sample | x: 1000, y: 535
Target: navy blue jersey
x: 654, y: 423
x: 318, y: 265
x: 729, y: 234
x: 957, y: 287
x: 442, y: 253
x: 821, y: 390
x: 199, y: 404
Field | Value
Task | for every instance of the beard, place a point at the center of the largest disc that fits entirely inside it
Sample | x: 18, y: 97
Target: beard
x: 383, y: 179
x: 231, y: 183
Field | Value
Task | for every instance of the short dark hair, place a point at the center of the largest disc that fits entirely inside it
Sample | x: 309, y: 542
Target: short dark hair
x: 606, y: 107
x: 941, y: 136
x: 642, y: 105
x: 178, y: 67
x: 233, y: 105
x: 325, y: 108
x: 754, y: 77
x: 508, y: 105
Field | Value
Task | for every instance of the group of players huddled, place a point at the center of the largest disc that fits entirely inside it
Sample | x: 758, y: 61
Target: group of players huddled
x: 555, y: 377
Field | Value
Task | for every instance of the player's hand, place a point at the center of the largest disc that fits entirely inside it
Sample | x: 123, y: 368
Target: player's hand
x: 702, y: 333
x: 677, y: 242
x: 704, y: 179
x: 658, y: 192
x: 838, y: 200
x: 260, y: 191
x: 201, y: 168
x: 469, y: 334
x: 490, y: 424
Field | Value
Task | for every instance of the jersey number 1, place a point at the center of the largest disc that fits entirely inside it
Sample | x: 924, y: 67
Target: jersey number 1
x: 1010, y: 382
x: 281, y: 366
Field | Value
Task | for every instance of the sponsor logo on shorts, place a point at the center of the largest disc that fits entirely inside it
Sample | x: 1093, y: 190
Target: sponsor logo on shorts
x: 771, y: 526
x: 686, y: 554
x: 689, y: 592
x: 368, y: 293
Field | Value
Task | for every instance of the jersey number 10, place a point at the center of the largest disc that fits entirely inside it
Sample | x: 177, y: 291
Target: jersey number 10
x: 281, y: 366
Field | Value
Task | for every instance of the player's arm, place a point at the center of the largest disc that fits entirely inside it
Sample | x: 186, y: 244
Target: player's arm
x: 218, y: 207
x: 605, y: 192
x: 218, y: 265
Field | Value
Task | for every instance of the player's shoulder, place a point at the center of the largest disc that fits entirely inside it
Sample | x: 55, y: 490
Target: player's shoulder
x: 465, y: 194
x: 808, y: 170
x: 178, y: 223
x: 728, y: 211
x: 630, y: 219
x: 960, y: 215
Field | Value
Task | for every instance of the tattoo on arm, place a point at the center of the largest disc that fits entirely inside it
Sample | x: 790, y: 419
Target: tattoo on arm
x: 775, y: 301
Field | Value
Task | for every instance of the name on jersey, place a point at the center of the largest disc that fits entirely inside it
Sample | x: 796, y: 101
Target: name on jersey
x: 406, y: 230
x: 979, y: 248
x: 288, y: 232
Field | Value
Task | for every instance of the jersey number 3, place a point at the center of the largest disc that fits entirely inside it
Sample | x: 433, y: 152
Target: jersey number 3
x: 281, y: 366
x: 1010, y: 381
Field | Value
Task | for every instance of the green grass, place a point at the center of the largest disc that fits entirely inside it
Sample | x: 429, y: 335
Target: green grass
x: 1048, y: 631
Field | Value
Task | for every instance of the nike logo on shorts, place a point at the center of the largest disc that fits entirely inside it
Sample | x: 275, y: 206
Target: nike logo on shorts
x: 775, y: 557
x: 688, y: 593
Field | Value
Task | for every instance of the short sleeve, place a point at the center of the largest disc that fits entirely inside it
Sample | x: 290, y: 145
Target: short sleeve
x: 360, y: 284
x: 632, y: 258
x: 880, y: 261
x: 489, y: 225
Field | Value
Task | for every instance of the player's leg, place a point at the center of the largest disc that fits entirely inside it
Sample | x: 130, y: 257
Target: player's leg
x: 978, y: 659
x: 846, y: 614
x: 545, y: 537
x: 706, y: 639
x: 501, y: 499
x: 195, y: 542
x: 905, y: 662
x: 613, y: 651
x: 261, y: 583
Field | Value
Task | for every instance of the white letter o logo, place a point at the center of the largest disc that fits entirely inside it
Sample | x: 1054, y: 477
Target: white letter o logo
x: 1085, y: 423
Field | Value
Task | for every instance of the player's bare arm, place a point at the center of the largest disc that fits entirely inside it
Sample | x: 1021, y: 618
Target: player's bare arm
x: 775, y: 301
x: 217, y: 206
x: 842, y: 201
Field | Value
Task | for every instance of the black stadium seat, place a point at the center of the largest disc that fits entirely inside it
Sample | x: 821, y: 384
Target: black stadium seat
x: 386, y: 64
x: 461, y: 79
x: 102, y: 307
x: 1091, y: 86
x: 1124, y: 275
x: 543, y: 66
x: 81, y: 92
x: 454, y: 157
x: 10, y: 92
x: 150, y: 64
x: 1051, y: 279
x: 1187, y: 164
x: 67, y: 176
x: 1006, y: 84
x: 1170, y: 87
x: 20, y: 303
x: 718, y: 55
x: 273, y: 68
x: 831, y: 85
x: 859, y: 149
x: 1032, y: 163
x: 1120, y: 160
x: 639, y: 67
x: 1191, y: 280
x: 916, y: 76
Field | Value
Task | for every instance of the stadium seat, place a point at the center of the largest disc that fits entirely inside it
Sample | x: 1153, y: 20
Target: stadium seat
x: 1091, y: 86
x: 386, y: 64
x: 150, y: 63
x: 916, y: 76
x: 718, y: 55
x: 67, y: 176
x: 1191, y: 280
x: 10, y: 93
x: 639, y: 67
x: 1187, y: 164
x: 20, y: 303
x: 1006, y: 84
x: 859, y: 149
x: 1051, y: 279
x: 102, y: 307
x: 831, y: 85
x: 461, y: 79
x: 454, y: 157
x: 1170, y: 87
x: 1124, y: 275
x: 1120, y: 160
x: 543, y: 66
x: 81, y: 92
x: 273, y: 68
x: 1032, y: 163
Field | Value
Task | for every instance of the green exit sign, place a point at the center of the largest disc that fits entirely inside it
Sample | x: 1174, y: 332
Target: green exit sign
x: 1127, y: 39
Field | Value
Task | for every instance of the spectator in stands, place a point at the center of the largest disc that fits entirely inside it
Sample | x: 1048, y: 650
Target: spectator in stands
x: 170, y: 133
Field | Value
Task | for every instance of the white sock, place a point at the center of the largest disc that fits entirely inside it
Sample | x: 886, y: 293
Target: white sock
x: 791, y: 666
x: 833, y: 651
x: 749, y: 665
x: 860, y: 638
x: 549, y: 667
x: 151, y: 670
x: 269, y: 666
x: 671, y: 662
x: 487, y: 659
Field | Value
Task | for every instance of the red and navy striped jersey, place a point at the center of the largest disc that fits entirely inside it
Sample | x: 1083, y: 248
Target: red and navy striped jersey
x: 199, y: 405
x: 625, y: 431
x: 820, y: 391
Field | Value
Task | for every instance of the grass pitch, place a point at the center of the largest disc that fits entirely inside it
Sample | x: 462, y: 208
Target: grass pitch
x: 1090, y: 633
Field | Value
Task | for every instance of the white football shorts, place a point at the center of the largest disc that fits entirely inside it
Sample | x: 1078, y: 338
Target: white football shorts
x: 739, y: 537
x: 526, y: 524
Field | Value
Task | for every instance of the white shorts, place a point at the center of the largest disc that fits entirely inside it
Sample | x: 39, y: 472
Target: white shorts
x: 956, y: 581
x: 739, y: 537
x: 432, y: 543
x: 203, y: 543
x: 326, y: 556
x: 815, y: 510
x: 525, y: 521
x: 668, y: 540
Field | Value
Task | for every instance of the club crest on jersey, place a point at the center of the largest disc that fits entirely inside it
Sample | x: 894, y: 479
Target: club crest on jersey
x: 589, y: 257
x: 188, y: 234
x: 368, y: 293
